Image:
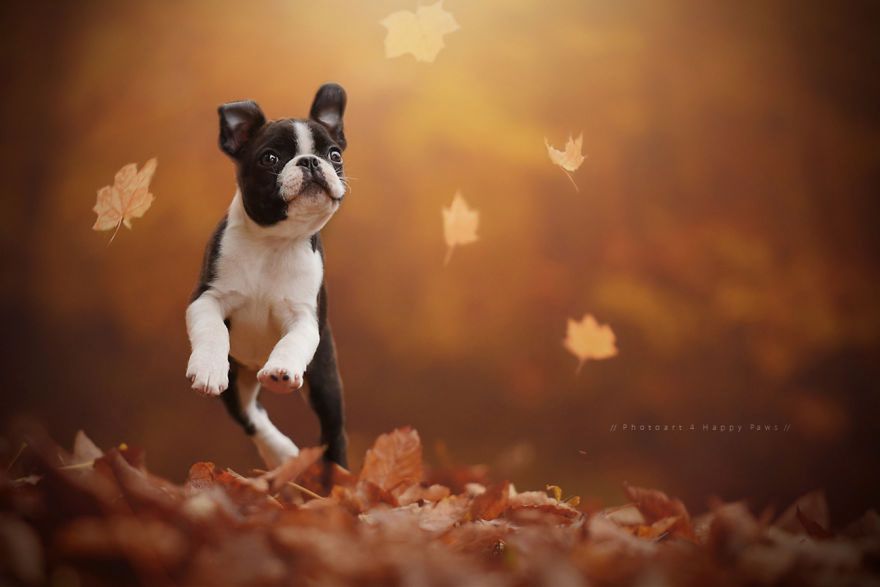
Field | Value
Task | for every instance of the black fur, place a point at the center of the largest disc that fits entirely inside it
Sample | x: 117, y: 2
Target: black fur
x: 238, y: 123
x: 328, y: 110
x: 232, y: 401
x: 209, y: 261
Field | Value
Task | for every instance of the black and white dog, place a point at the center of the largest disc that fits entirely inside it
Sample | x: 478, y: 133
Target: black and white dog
x: 258, y: 318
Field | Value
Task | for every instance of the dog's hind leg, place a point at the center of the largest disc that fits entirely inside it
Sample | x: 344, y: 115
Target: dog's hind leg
x: 241, y: 400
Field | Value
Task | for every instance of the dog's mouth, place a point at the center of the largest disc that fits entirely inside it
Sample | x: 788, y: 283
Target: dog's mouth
x: 314, y: 186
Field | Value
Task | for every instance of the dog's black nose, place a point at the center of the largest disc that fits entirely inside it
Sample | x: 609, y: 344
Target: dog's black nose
x: 310, y: 162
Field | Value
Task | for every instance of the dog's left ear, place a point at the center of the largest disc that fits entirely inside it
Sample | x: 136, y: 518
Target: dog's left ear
x: 238, y: 123
x: 328, y: 108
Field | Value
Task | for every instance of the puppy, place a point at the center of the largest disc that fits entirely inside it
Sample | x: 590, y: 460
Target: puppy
x: 258, y: 317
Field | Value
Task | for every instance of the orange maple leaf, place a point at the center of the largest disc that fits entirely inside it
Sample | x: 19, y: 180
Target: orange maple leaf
x: 129, y: 197
x: 588, y: 339
x: 459, y: 224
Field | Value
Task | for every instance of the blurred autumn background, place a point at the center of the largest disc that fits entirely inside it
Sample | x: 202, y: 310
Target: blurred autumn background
x: 725, y: 227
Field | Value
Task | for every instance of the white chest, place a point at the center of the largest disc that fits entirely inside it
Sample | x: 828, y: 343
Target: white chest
x: 258, y: 276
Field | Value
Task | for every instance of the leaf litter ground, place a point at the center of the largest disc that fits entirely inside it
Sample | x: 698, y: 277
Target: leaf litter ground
x: 93, y: 517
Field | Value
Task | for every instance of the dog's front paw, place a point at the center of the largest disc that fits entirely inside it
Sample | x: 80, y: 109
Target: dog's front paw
x: 209, y: 374
x: 280, y: 379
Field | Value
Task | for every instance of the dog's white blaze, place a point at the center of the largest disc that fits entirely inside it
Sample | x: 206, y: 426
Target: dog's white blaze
x: 305, y: 143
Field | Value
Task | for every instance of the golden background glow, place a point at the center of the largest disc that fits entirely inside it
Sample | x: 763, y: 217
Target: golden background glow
x: 725, y: 227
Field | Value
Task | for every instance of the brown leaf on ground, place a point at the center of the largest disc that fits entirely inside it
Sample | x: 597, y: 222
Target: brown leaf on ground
x: 291, y: 469
x: 813, y: 506
x: 22, y: 553
x: 491, y: 503
x: 656, y: 505
x: 395, y: 461
x: 84, y: 450
x: 812, y: 528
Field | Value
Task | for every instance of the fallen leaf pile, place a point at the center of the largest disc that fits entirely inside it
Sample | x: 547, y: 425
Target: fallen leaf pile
x: 100, y: 518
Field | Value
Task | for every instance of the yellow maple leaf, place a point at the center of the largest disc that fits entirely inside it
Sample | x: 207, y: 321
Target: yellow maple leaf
x: 129, y: 197
x: 459, y: 224
x: 570, y: 159
x: 588, y: 339
x: 419, y: 33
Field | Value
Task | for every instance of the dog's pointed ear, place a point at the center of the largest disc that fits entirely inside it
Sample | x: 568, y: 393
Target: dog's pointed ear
x: 328, y: 108
x: 238, y: 123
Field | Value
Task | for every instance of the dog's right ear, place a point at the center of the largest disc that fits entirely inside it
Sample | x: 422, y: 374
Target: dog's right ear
x: 238, y: 123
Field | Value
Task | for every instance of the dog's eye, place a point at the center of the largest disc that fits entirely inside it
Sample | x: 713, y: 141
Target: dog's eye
x: 269, y: 159
x: 335, y: 156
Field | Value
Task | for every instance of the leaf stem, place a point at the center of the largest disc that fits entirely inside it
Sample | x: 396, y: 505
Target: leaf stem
x: 296, y: 486
x: 15, y: 458
x: 448, y: 255
x: 76, y: 466
x: 571, y: 179
x: 118, y: 226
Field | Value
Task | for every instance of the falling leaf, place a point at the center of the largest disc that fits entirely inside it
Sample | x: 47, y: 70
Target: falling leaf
x: 570, y: 159
x: 459, y: 224
x: 419, y: 33
x: 129, y: 197
x: 588, y: 339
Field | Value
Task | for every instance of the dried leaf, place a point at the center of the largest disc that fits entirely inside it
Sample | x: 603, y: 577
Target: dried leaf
x: 395, y: 461
x: 21, y: 553
x: 812, y: 505
x: 813, y: 529
x: 555, y: 491
x: 459, y: 224
x: 625, y: 515
x: 588, y: 339
x: 491, y: 503
x: 291, y: 469
x: 84, y: 450
x: 129, y: 197
x: 570, y: 159
x: 659, y: 507
x: 418, y: 33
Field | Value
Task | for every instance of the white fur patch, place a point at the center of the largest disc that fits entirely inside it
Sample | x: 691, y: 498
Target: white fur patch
x: 271, y: 285
x: 305, y: 143
x: 274, y: 447
x: 290, y: 182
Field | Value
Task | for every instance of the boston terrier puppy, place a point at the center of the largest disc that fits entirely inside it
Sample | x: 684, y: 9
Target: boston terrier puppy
x: 258, y: 317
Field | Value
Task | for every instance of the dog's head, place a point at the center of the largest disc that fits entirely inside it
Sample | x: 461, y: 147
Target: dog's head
x: 290, y: 170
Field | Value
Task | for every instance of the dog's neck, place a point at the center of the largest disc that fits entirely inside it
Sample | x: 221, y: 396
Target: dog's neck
x: 239, y: 221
